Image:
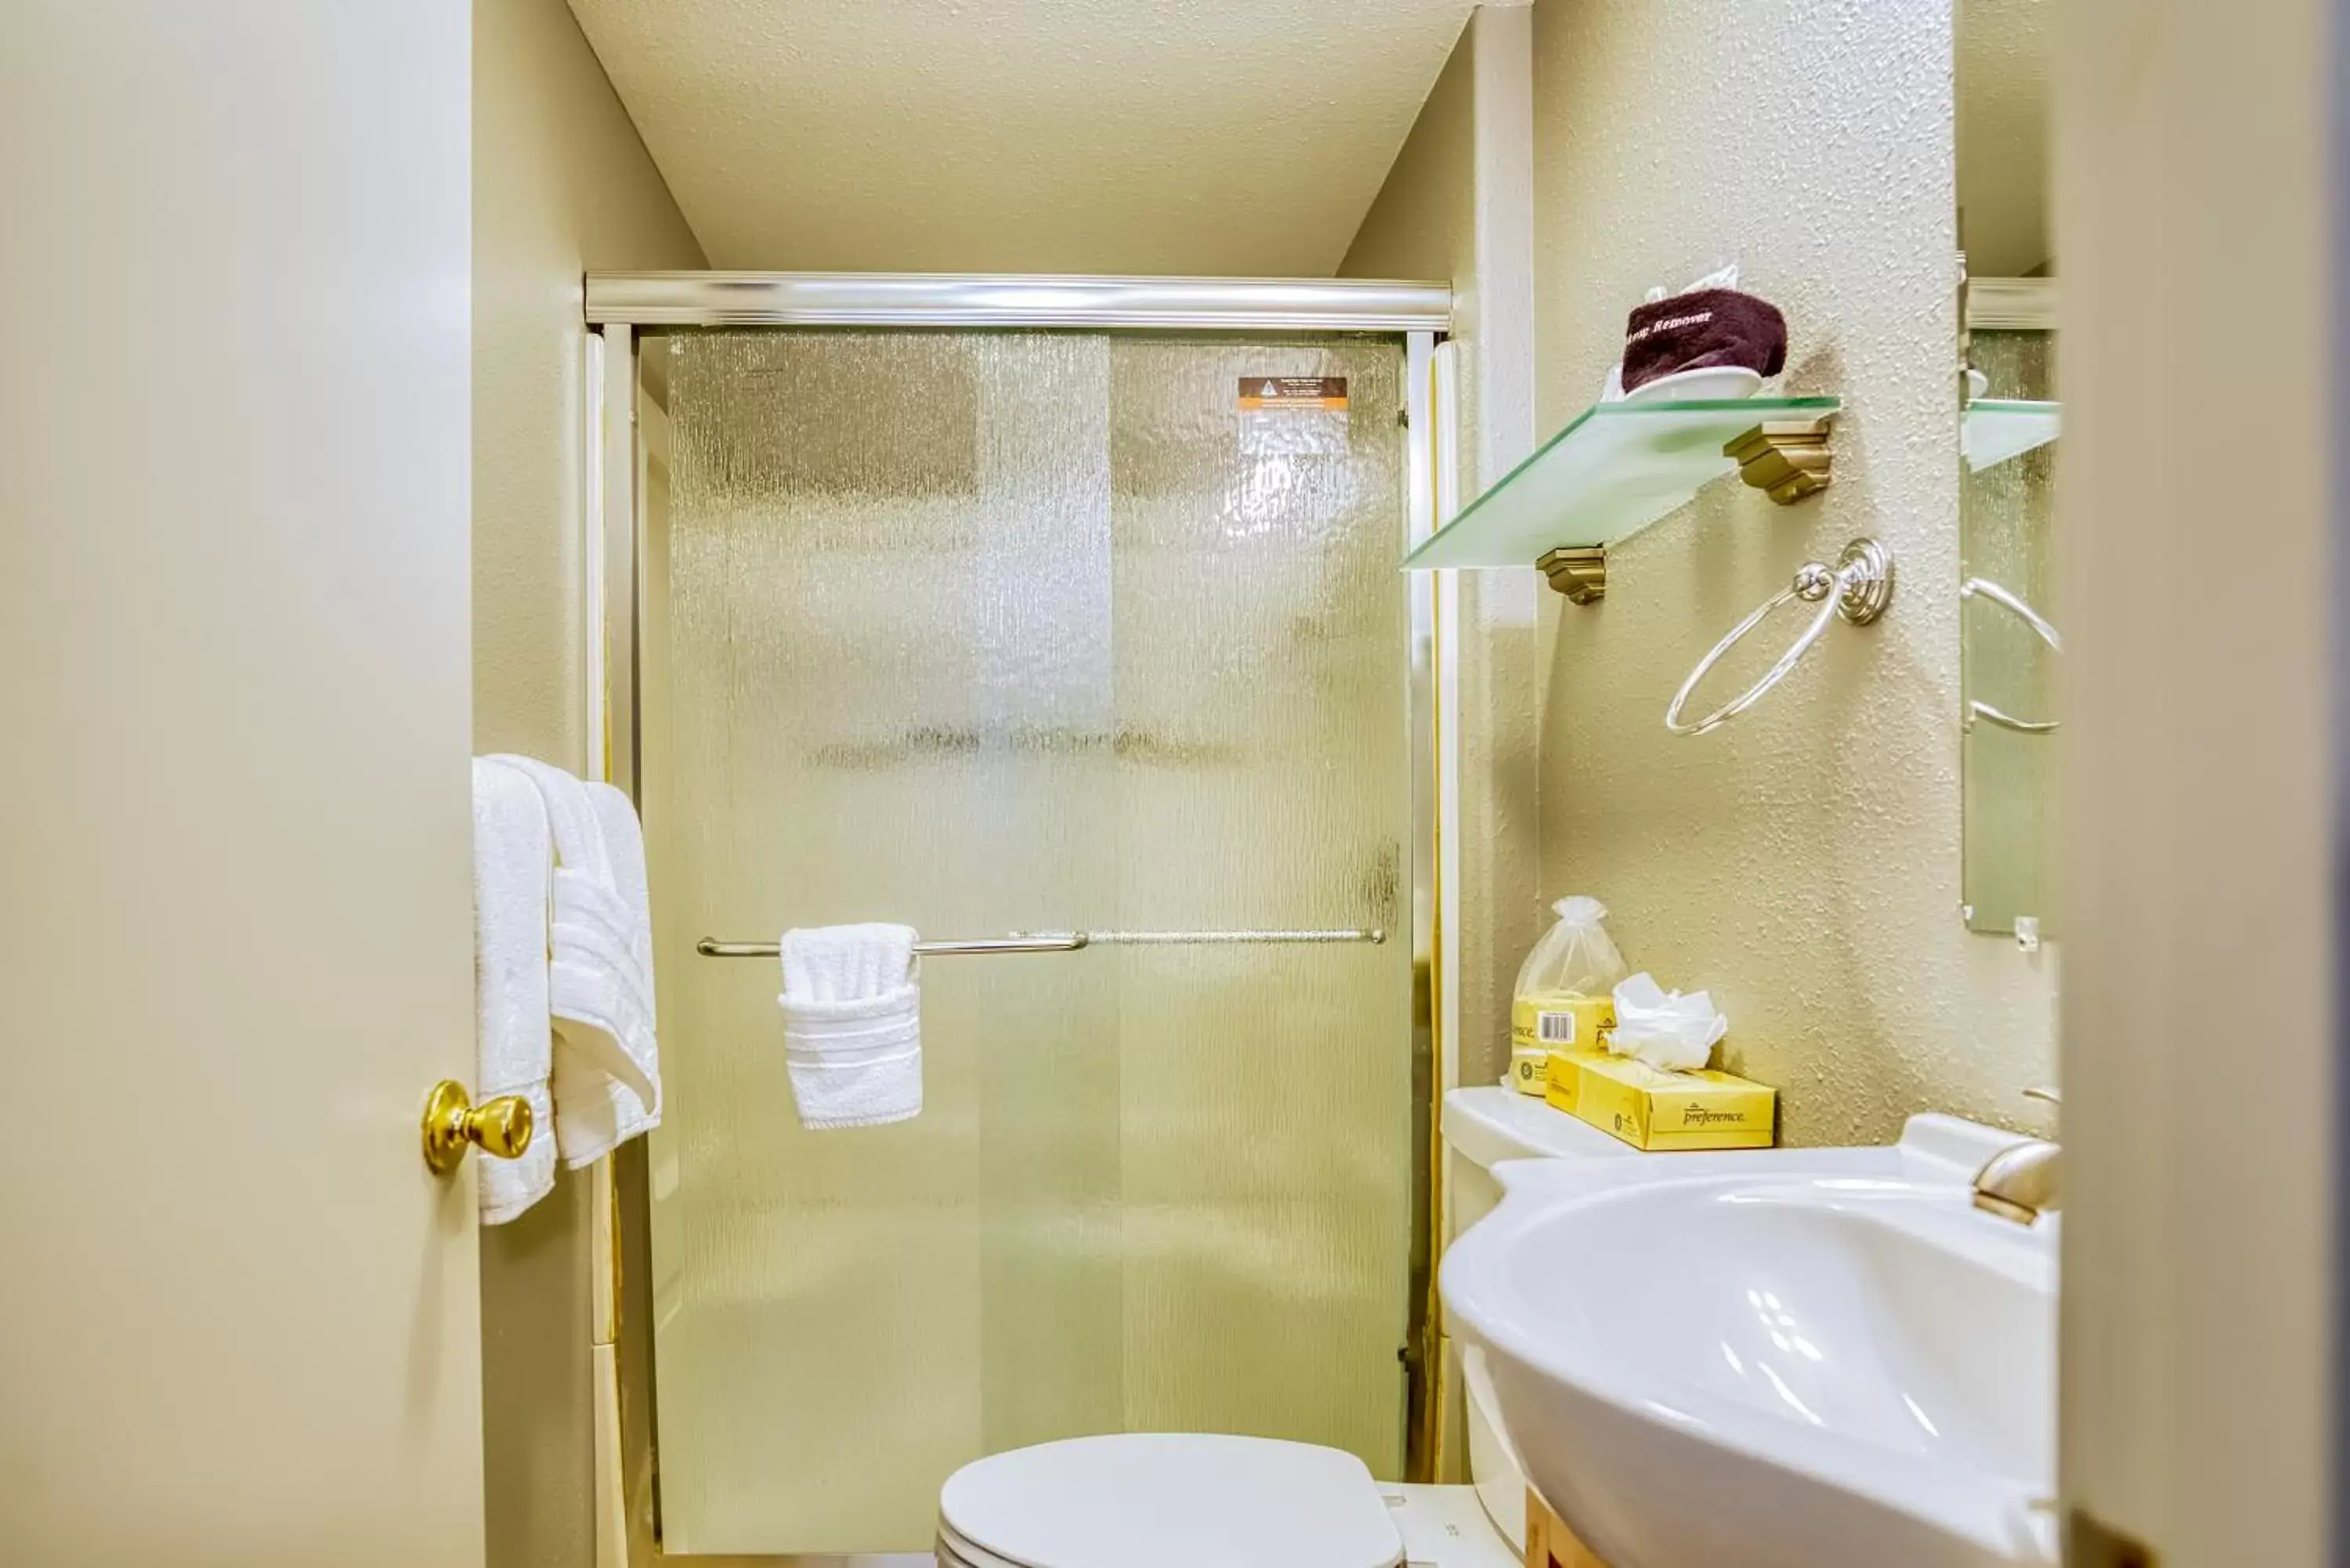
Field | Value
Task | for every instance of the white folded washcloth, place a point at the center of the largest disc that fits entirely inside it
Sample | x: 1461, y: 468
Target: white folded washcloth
x: 600, y: 978
x: 853, y: 1024
x: 513, y: 846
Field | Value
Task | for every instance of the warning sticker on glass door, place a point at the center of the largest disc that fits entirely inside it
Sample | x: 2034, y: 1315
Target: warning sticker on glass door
x: 1300, y: 394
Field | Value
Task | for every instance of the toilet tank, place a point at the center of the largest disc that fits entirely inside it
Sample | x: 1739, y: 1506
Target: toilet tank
x: 1485, y: 1126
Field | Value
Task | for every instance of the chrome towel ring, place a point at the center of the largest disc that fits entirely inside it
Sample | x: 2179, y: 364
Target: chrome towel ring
x: 2014, y: 604
x: 1858, y: 588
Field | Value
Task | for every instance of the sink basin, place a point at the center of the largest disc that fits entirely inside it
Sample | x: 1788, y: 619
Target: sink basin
x: 1780, y: 1359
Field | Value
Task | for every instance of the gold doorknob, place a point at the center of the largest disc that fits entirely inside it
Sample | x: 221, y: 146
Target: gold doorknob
x: 501, y: 1126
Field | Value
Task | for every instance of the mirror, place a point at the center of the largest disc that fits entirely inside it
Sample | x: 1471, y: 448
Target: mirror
x: 2009, y: 618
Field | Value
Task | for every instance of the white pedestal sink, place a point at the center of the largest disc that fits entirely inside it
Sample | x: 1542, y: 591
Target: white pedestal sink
x: 1783, y: 1359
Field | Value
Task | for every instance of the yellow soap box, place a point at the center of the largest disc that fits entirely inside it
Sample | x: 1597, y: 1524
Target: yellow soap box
x: 1652, y: 1109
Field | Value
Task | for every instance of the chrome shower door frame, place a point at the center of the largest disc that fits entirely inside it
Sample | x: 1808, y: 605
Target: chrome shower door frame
x: 619, y: 307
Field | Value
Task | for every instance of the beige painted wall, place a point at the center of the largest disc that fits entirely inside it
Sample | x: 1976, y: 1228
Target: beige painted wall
x: 1801, y: 863
x: 2198, y: 1356
x: 561, y: 185
x: 1456, y: 206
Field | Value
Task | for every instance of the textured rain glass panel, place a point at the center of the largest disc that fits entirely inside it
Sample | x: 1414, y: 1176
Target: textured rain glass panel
x: 1260, y: 652
x: 2007, y: 519
x: 986, y: 632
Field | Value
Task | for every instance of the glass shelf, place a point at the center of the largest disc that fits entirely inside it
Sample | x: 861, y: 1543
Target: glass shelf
x: 1609, y: 475
x: 1996, y: 429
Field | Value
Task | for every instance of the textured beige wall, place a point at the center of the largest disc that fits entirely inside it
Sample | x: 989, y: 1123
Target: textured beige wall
x: 1802, y: 863
x: 560, y: 185
x: 1457, y: 206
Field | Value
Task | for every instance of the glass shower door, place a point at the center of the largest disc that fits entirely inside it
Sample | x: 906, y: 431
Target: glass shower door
x: 987, y: 632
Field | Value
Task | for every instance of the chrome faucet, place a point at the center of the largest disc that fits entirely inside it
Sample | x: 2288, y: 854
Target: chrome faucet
x: 2023, y: 1180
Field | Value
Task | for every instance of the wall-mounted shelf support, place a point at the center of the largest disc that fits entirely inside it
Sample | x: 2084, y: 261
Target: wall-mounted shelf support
x: 1787, y: 460
x: 1580, y: 572
x: 1621, y: 466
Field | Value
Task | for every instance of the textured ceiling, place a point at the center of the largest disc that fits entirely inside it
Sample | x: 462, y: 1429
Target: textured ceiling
x: 1219, y: 137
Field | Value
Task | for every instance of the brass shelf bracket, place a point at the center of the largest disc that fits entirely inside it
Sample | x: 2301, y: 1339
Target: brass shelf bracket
x: 1787, y: 460
x: 1580, y: 573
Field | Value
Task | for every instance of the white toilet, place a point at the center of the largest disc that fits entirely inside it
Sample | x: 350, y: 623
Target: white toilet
x: 1483, y: 1127
x: 1166, y: 1500
x: 1152, y: 1501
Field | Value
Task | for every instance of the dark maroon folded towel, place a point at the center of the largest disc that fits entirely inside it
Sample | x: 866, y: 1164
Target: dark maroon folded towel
x: 1702, y: 329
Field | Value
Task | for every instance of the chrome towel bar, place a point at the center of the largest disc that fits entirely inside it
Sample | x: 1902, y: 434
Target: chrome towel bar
x: 2014, y: 604
x: 1069, y: 941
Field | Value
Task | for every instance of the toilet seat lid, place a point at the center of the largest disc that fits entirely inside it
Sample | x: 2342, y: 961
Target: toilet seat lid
x: 1169, y: 1500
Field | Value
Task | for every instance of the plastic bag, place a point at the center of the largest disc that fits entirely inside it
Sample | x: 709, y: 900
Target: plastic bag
x: 1564, y: 998
x: 1575, y: 955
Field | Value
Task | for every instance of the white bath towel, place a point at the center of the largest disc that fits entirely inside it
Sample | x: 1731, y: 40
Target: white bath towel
x: 853, y: 1024
x: 594, y: 1112
x: 593, y: 986
x: 513, y: 846
x: 601, y: 983
x: 624, y: 850
x: 605, y: 1080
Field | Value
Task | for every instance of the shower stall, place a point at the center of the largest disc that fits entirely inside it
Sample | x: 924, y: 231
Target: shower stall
x: 1001, y: 607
